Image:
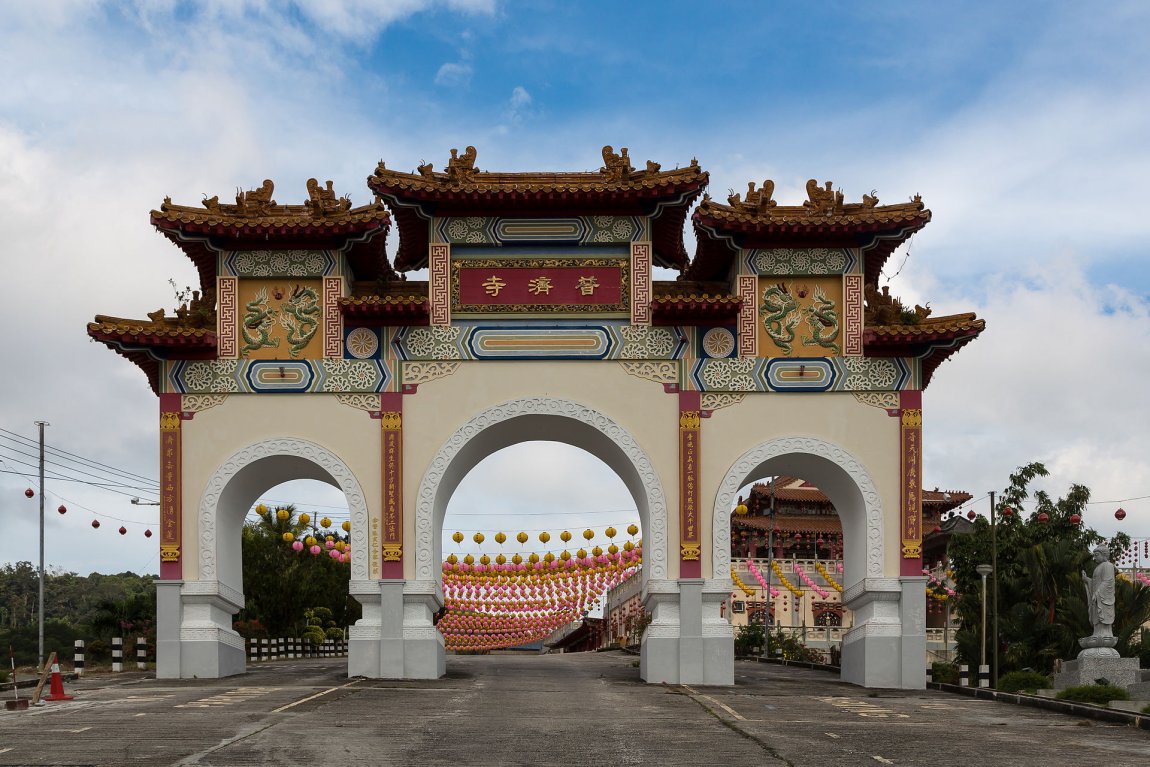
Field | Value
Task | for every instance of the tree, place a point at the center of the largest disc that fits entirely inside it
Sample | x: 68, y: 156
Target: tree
x: 1041, y: 597
x: 281, y: 584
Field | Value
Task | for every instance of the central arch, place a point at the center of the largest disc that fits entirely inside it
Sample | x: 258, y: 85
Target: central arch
x: 506, y: 424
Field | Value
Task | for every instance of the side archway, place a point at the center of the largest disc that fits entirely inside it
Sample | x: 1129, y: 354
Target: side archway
x: 840, y: 475
x: 194, y: 617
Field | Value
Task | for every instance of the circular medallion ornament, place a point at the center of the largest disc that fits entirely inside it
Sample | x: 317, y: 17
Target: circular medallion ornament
x: 362, y: 343
x: 718, y: 342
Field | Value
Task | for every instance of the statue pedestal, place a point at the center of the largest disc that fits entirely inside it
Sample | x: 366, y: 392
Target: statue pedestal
x: 1121, y: 672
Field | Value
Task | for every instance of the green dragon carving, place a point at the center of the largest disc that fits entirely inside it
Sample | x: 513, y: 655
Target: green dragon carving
x: 822, y: 321
x: 780, y: 315
x: 300, y: 317
x: 257, y: 324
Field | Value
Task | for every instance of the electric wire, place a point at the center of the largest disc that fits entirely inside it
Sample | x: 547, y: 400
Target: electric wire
x: 51, y: 449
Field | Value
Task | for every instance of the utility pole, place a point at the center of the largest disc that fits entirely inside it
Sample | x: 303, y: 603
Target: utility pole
x: 994, y: 596
x: 40, y: 611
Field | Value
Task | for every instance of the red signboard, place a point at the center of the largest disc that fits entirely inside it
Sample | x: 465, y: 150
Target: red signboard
x: 599, y: 285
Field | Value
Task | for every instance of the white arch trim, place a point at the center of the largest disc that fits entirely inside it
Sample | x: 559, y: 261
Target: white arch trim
x: 298, y: 448
x: 750, y: 461
x: 655, y: 532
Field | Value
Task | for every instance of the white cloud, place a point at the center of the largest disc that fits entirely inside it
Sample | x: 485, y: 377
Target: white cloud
x: 452, y: 74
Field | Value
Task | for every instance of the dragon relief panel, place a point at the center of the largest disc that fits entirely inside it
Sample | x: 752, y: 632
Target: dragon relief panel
x: 279, y: 319
x: 800, y: 316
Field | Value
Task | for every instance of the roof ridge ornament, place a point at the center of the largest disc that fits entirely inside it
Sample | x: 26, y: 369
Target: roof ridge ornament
x: 758, y: 200
x: 254, y: 201
x: 825, y: 200
x: 322, y: 201
x: 617, y: 167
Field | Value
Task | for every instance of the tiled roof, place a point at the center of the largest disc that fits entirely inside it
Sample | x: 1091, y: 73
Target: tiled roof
x: 462, y: 189
x: 824, y: 220
x: 146, y: 342
x: 684, y: 303
x: 256, y: 221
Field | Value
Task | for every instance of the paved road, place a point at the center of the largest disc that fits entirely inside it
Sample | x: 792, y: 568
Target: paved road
x: 516, y: 709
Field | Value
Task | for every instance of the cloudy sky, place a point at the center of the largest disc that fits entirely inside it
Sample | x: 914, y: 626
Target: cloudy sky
x: 1023, y: 126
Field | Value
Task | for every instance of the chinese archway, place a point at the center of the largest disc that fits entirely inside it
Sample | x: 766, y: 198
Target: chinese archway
x: 306, y: 353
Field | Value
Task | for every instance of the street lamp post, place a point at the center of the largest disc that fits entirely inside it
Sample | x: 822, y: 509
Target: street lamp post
x: 994, y: 591
x: 40, y: 610
x: 983, y: 570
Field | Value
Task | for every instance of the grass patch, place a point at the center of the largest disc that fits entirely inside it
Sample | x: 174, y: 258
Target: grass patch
x: 1023, y: 681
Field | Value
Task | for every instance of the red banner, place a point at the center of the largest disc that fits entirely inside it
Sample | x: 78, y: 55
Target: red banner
x: 391, y: 424
x: 600, y: 286
x: 170, y: 490
x: 911, y: 449
x: 690, y: 548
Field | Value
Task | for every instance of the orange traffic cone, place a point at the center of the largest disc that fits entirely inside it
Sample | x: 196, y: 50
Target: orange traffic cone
x: 56, y: 691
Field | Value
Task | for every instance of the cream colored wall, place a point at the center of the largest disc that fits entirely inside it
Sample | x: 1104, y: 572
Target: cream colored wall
x: 640, y: 406
x: 866, y: 432
x: 214, y: 435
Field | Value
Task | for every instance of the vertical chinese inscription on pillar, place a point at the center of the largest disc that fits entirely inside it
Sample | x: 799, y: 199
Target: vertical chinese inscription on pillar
x: 911, y: 436
x: 332, y: 319
x: 641, y: 283
x: 748, y: 337
x: 391, y: 425
x: 227, y: 317
x: 689, y: 545
x: 853, y: 315
x: 169, y: 487
x: 439, y: 284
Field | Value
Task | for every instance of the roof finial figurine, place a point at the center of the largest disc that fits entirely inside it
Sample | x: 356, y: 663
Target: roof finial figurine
x: 462, y: 167
x: 824, y: 200
x: 617, y: 167
x: 321, y: 200
x: 256, y: 200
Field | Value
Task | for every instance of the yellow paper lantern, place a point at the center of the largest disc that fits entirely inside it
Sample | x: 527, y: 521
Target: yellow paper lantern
x: 632, y: 529
x: 565, y: 555
x: 502, y: 560
x: 457, y: 537
x: 741, y: 510
x: 500, y: 538
x: 522, y: 537
x: 478, y: 537
x: 517, y: 559
x: 565, y: 536
x: 452, y: 559
x: 612, y: 549
x: 597, y: 551
x: 533, y: 558
x: 261, y: 510
x: 346, y: 526
x: 282, y: 514
x: 304, y: 519
x: 325, y: 523
x: 628, y: 546
x: 288, y: 537
x: 588, y: 534
x: 469, y: 559
x: 610, y: 532
x: 548, y: 557
x: 310, y: 540
x: 544, y: 537
x: 485, y: 560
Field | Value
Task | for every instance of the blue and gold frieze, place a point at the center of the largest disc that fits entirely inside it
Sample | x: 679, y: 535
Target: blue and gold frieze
x: 278, y: 264
x: 581, y: 230
x: 804, y: 374
x: 535, y: 341
x: 800, y: 261
x: 271, y: 376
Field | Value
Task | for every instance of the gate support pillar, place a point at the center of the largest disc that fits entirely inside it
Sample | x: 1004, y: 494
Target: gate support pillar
x: 169, y: 616
x: 659, y: 649
x: 209, y: 647
x: 424, y: 656
x: 886, y: 647
x: 912, y: 613
x: 375, y: 642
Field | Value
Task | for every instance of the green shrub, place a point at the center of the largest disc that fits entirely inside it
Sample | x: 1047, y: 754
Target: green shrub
x: 944, y: 673
x: 1098, y: 694
x: 1023, y: 681
x: 1146, y: 709
x: 749, y: 639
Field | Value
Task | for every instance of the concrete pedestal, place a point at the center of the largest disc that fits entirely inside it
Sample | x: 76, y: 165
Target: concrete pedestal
x: 1121, y: 672
x: 194, y: 635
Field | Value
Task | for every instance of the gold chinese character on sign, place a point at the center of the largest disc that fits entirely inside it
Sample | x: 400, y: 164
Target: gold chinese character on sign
x: 493, y: 285
x: 539, y: 285
x: 587, y: 285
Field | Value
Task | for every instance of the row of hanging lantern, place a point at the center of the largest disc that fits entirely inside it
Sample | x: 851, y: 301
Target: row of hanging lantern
x: 495, y: 602
x: 323, y: 538
x: 62, y: 509
x: 1008, y: 513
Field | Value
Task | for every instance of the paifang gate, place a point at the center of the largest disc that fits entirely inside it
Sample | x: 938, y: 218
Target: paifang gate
x: 307, y: 354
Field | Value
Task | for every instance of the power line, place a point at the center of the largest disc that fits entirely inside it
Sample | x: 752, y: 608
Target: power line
x: 74, y: 456
x: 63, y: 467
